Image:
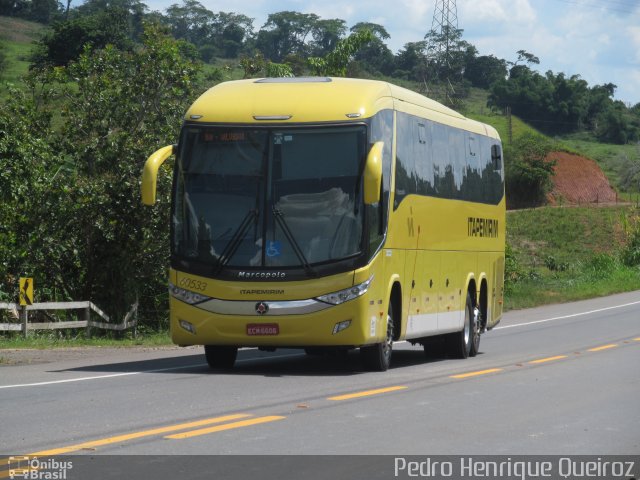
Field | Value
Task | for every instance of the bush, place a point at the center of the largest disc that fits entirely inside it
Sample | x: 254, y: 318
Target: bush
x: 513, y: 271
x: 554, y: 265
x: 528, y: 172
x: 67, y: 40
x: 600, y: 266
x: 3, y: 59
x: 70, y: 210
x: 208, y: 53
x: 630, y: 254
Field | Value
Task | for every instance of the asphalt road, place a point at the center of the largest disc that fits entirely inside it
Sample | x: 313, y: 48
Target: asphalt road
x: 557, y: 380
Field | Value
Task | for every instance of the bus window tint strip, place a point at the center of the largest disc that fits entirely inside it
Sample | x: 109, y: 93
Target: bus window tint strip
x: 452, y: 163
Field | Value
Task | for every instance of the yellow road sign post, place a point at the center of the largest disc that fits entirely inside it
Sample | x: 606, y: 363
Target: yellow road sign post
x: 26, y: 291
x: 26, y: 298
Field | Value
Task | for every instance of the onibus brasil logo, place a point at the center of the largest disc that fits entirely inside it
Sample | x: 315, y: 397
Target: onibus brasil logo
x: 38, y: 469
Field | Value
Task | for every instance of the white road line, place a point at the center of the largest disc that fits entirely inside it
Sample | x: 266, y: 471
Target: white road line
x: 98, y: 377
x: 567, y: 316
x: 126, y: 374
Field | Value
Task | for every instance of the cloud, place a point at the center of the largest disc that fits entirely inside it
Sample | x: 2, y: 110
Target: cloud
x: 634, y: 36
x: 633, y: 88
x: 327, y: 10
x: 415, y: 11
x: 507, y: 12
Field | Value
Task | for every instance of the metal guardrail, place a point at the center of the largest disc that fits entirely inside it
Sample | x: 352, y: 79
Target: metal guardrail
x: 130, y: 320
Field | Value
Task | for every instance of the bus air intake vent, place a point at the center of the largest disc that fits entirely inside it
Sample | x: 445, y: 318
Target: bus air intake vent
x: 295, y: 80
x: 271, y: 118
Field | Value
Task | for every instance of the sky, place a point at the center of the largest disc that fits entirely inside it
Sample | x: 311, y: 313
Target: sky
x: 596, y: 39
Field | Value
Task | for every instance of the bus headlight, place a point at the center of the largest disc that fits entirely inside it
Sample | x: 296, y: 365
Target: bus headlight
x: 186, y: 296
x: 336, y: 298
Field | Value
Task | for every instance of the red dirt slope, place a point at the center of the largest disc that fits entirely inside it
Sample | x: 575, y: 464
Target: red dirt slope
x: 579, y: 180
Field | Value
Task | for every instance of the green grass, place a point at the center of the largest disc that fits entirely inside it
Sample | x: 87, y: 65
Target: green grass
x: 17, y: 61
x: 18, y: 30
x: 534, y: 292
x: 76, y: 338
x: 567, y: 254
x: 475, y: 107
x: 18, y: 37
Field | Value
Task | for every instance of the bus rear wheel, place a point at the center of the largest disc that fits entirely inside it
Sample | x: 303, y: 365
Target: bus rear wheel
x: 220, y: 357
x: 378, y: 357
x: 466, y: 342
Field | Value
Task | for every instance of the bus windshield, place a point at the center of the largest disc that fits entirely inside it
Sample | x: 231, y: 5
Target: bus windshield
x: 268, y: 197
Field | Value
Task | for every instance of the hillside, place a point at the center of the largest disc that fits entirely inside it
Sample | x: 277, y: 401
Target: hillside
x: 18, y: 37
x: 579, y: 180
x: 563, y: 254
x: 19, y: 31
x: 587, y: 171
x: 557, y: 253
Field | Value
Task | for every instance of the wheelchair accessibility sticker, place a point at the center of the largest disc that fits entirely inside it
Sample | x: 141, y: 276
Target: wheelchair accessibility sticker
x: 274, y: 248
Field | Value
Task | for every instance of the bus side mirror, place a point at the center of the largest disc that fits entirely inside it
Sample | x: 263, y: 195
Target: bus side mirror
x: 373, y: 174
x: 150, y: 173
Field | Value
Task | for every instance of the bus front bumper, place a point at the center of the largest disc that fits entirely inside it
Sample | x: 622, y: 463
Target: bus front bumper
x: 354, y: 323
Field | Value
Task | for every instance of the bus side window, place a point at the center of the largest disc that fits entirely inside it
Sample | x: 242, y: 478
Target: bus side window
x: 422, y: 134
x: 496, y: 157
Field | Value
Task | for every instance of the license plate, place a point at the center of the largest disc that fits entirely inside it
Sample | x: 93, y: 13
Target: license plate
x: 263, y: 329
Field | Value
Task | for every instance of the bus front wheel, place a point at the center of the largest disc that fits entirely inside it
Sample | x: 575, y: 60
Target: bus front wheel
x: 220, y: 357
x: 378, y: 357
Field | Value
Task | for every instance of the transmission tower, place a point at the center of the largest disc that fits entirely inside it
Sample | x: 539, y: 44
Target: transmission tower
x: 439, y: 55
x: 445, y: 16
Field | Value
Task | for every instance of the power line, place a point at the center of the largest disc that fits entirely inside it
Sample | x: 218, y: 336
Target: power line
x: 610, y: 5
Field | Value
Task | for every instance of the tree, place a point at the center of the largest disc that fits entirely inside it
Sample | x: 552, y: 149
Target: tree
x: 190, y: 21
x: 26, y: 191
x: 525, y: 57
x: 616, y: 125
x: 116, y: 107
x: 448, y: 54
x: 285, y: 33
x: 335, y: 63
x: 410, y: 62
x: 258, y: 66
x: 326, y: 35
x: 600, y: 99
x: 375, y: 57
x: 232, y: 38
x: 377, y: 30
x: 556, y: 103
x: 43, y: 11
x: 485, y: 70
x: 252, y: 66
x: 231, y: 33
x: 136, y: 13
x: 67, y: 39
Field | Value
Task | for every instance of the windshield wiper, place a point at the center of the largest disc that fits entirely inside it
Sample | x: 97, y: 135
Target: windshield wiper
x: 233, y: 245
x: 277, y: 213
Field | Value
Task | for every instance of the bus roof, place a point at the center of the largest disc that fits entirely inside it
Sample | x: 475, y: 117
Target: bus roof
x: 317, y: 99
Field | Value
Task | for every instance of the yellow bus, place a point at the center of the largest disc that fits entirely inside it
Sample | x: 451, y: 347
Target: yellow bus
x: 332, y: 213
